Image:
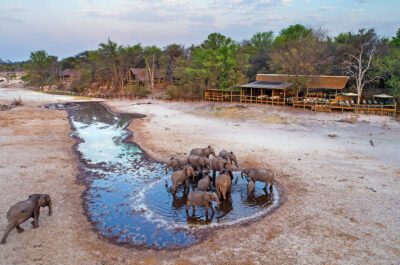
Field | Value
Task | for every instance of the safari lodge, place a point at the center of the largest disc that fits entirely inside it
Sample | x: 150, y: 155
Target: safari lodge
x: 318, y: 93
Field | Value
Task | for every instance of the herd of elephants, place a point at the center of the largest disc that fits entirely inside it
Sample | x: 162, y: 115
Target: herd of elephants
x: 196, y: 169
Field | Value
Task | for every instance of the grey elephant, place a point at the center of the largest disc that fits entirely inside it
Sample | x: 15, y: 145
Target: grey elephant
x: 266, y: 176
x: 223, y: 184
x: 22, y: 211
x: 201, y: 198
x: 181, y: 176
x: 199, y: 162
x: 250, y: 188
x: 229, y: 156
x: 206, y: 152
x: 205, y: 183
x: 175, y: 163
x: 219, y: 164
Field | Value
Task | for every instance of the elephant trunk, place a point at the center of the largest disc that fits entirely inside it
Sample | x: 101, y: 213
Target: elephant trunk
x: 236, y: 164
x: 50, y: 208
x: 166, y: 169
x: 241, y: 174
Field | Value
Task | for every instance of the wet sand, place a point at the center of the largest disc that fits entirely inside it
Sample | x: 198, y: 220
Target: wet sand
x: 341, y: 193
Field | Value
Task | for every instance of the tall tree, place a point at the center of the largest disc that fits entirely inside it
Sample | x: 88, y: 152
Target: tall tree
x: 301, y: 52
x: 151, y: 56
x: 361, y: 50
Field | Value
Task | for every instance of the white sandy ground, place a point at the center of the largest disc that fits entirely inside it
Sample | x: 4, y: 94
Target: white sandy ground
x: 341, y: 193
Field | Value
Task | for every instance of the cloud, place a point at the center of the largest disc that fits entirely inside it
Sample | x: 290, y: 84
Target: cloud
x: 11, y: 20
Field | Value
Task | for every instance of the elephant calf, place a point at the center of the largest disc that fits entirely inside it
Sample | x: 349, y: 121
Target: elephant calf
x: 22, y: 211
x: 181, y: 177
x: 201, y: 198
x: 204, y: 183
x: 262, y: 175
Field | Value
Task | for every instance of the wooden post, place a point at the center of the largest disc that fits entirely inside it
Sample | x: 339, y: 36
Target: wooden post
x: 251, y: 95
x: 284, y: 97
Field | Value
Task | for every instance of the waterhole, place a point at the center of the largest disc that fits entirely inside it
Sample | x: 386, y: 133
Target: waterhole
x: 127, y: 198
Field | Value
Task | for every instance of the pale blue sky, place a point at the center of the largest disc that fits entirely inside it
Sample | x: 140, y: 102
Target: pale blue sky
x: 67, y: 27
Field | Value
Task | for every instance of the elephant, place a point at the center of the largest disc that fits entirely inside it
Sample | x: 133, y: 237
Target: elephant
x: 175, y: 164
x: 219, y: 164
x: 199, y: 162
x: 262, y: 175
x: 22, y: 211
x: 205, y: 152
x: 181, y: 176
x: 201, y: 198
x: 250, y: 188
x: 223, y: 183
x: 229, y: 156
x: 204, y: 183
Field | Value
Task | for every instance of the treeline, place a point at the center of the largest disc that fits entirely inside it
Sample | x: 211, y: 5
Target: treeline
x: 222, y: 63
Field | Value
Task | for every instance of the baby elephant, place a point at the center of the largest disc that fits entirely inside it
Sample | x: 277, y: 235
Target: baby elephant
x: 22, y: 211
x: 201, y: 198
x: 262, y: 175
x: 181, y: 177
x: 204, y: 183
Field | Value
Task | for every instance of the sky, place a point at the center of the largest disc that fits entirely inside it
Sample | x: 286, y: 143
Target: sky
x: 67, y: 27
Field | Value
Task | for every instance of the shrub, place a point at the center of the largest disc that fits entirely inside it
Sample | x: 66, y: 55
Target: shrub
x: 137, y: 91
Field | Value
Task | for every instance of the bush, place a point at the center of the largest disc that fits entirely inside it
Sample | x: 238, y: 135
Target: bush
x: 174, y: 91
x: 137, y: 91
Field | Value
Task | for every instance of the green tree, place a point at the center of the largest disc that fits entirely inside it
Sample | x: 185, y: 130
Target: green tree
x: 42, y: 68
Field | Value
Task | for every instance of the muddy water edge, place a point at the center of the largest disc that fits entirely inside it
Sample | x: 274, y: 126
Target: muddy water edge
x: 127, y: 199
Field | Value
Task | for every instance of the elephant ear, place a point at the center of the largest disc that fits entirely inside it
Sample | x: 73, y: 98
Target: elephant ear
x: 41, y: 201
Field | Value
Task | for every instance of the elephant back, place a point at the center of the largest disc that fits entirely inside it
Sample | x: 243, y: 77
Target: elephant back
x: 20, y: 208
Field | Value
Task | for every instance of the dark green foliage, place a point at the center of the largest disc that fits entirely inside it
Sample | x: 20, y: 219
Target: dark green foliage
x: 219, y: 62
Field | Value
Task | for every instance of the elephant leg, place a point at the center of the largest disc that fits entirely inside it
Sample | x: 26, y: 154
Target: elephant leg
x: 36, y: 214
x: 9, y: 227
x: 270, y: 187
x: 206, y: 212
x: 265, y: 187
x: 224, y: 195
x: 20, y: 229
x: 187, y: 209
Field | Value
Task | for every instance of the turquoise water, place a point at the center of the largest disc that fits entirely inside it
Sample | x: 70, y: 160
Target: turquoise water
x: 127, y: 199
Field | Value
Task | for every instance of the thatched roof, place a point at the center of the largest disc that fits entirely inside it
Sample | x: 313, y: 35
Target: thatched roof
x: 141, y: 75
x: 312, y: 81
x: 267, y: 85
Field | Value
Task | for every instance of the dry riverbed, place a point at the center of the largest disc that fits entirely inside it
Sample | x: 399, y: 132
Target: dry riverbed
x: 341, y: 193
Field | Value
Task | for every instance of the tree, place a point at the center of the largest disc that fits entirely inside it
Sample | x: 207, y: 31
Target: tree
x: 293, y: 33
x: 259, y: 51
x: 215, y: 60
x: 362, y: 48
x: 151, y: 57
x: 396, y: 40
x: 303, y: 52
x: 42, y: 68
x: 169, y: 60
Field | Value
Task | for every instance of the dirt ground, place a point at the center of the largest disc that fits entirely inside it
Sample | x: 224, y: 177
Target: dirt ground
x: 341, y: 193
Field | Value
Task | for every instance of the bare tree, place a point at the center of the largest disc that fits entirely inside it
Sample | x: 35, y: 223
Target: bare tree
x: 360, y: 56
x: 358, y: 66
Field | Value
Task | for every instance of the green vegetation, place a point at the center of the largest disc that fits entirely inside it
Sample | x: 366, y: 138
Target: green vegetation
x: 221, y: 63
